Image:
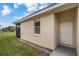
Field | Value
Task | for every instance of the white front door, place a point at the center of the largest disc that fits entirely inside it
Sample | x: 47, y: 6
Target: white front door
x: 66, y: 33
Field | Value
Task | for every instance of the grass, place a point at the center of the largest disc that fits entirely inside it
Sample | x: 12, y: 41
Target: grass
x: 10, y: 46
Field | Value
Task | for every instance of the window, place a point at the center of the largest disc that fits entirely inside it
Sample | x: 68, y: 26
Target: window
x: 37, y: 26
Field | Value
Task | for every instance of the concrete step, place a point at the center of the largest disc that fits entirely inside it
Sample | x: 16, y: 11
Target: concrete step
x: 63, y: 51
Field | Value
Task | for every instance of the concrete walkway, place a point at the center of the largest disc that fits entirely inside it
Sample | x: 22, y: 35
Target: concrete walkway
x: 63, y: 51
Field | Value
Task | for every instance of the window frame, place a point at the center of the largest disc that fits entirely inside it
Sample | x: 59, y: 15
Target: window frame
x: 36, y: 26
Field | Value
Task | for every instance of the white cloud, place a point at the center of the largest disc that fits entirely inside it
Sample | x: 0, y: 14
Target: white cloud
x: 31, y: 6
x: 19, y: 3
x: 6, y: 10
x: 41, y: 7
x: 15, y: 17
x: 16, y: 5
x: 25, y: 13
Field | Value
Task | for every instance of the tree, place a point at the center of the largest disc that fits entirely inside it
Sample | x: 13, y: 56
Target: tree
x: 0, y: 26
x: 9, y: 29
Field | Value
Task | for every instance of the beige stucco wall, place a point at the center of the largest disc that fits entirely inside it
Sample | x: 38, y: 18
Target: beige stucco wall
x: 46, y: 37
x: 49, y: 29
x: 77, y: 44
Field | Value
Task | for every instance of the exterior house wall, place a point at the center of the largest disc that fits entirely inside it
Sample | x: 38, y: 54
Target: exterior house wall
x: 46, y: 36
x: 49, y: 29
x: 77, y: 31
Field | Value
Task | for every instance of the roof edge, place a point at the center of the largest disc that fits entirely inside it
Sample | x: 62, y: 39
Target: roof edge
x: 42, y: 11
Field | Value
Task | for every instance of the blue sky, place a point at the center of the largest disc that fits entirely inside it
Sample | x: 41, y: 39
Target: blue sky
x: 10, y: 12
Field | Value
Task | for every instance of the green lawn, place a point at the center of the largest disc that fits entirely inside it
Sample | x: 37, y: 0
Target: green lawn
x: 10, y: 46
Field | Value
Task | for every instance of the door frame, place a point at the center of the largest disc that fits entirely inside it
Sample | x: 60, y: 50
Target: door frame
x: 57, y: 27
x: 63, y: 43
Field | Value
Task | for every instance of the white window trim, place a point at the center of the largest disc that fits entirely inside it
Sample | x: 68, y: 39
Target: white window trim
x: 35, y: 34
